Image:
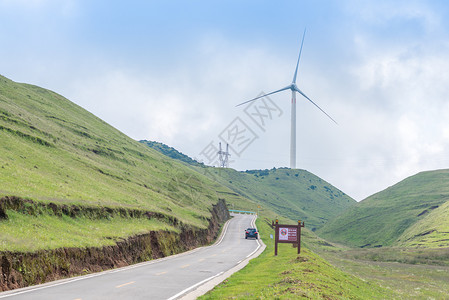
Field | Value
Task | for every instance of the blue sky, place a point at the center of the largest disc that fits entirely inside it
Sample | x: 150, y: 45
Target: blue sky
x: 173, y: 71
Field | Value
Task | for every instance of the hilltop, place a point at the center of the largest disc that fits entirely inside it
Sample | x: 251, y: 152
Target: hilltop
x: 171, y: 152
x: 292, y: 193
x: 411, y: 212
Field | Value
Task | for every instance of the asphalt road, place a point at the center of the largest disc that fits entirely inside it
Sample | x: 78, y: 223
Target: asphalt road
x: 168, y: 278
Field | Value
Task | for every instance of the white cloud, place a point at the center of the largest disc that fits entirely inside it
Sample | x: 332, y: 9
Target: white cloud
x: 384, y: 13
x: 387, y: 87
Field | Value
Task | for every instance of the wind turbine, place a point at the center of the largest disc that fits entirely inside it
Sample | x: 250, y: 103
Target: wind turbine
x: 294, y: 88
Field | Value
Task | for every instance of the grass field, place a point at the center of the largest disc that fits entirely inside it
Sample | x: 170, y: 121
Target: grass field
x: 407, y: 281
x: 289, y: 276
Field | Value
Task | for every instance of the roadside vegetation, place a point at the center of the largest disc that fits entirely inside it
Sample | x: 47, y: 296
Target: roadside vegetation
x: 293, y: 276
x: 26, y: 233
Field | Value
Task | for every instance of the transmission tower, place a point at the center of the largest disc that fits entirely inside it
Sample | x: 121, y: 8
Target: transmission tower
x: 223, y: 156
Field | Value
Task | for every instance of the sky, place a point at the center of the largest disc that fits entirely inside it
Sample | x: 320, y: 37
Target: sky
x: 174, y: 71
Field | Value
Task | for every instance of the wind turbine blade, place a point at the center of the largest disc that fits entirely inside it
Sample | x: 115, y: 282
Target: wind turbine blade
x: 299, y: 56
x: 304, y: 95
x: 264, y: 95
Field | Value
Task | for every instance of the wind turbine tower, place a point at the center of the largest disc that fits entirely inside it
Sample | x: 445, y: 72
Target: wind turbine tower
x: 294, y: 88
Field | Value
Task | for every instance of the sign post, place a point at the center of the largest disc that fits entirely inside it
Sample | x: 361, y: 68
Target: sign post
x: 287, y: 234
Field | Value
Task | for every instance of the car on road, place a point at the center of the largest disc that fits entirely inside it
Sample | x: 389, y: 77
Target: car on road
x: 251, y: 233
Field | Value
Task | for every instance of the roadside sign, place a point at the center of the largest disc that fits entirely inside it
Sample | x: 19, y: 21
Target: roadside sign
x: 287, y: 234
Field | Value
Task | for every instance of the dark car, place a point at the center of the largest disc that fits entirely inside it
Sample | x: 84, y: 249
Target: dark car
x: 252, y: 233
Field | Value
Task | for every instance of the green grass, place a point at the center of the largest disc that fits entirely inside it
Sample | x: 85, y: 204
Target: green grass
x: 289, y: 276
x: 25, y: 233
x: 432, y: 231
x: 414, y: 256
x: 380, y: 220
x: 295, y: 194
x: 171, y: 152
x: 407, y: 281
x: 337, y: 272
x: 53, y: 150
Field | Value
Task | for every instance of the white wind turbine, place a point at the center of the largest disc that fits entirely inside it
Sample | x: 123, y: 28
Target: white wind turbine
x: 294, y: 89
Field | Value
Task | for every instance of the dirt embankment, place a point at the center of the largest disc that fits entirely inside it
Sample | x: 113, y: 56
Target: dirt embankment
x: 20, y: 269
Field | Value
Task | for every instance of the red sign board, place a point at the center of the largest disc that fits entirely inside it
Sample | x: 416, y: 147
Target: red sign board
x: 287, y: 234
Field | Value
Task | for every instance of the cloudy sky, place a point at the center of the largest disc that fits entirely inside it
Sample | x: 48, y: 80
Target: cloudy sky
x: 173, y: 71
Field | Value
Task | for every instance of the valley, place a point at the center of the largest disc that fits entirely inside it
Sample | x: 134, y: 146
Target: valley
x: 77, y: 196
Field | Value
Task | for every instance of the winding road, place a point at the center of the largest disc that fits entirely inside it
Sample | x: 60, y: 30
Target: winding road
x: 178, y: 276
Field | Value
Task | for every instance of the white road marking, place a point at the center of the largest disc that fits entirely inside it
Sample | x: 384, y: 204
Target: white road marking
x: 194, y: 286
x: 48, y: 286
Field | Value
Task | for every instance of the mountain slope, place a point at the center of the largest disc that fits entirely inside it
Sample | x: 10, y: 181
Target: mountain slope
x: 381, y: 219
x: 53, y: 150
x: 432, y: 231
x: 295, y: 194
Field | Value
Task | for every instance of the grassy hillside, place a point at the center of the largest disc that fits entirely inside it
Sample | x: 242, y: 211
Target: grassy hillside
x: 396, y: 215
x: 171, y: 152
x: 432, y: 231
x: 52, y: 150
x: 295, y: 194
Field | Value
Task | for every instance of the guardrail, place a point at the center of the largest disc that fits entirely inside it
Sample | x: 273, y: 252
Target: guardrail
x: 242, y: 211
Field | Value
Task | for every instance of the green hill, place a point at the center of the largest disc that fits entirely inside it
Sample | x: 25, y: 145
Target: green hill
x: 52, y: 150
x: 397, y: 215
x: 171, y: 152
x: 77, y: 195
x: 292, y: 193
x: 432, y: 231
x: 295, y: 194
